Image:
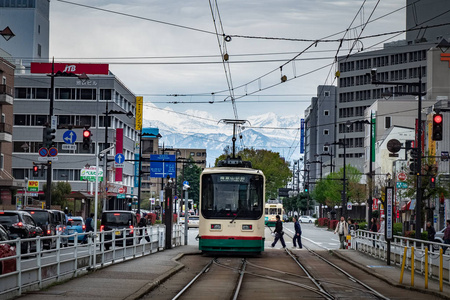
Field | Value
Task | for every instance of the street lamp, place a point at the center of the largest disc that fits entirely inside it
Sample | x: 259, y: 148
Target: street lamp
x: 7, y: 33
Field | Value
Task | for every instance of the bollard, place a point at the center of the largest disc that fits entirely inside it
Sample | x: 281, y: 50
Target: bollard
x: 441, y: 266
x: 426, y: 268
x: 412, y: 266
x: 349, y: 242
x: 403, y: 264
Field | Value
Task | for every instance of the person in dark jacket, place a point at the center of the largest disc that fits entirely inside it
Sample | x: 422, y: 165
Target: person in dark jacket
x: 279, y: 232
x: 446, y: 236
x: 431, y: 233
x: 298, y: 233
x: 374, y: 228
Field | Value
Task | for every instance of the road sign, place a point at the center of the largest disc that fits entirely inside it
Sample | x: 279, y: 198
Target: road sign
x: 118, y: 160
x: 120, y: 196
x: 48, y: 158
x: 402, y: 176
x: 68, y: 147
x: 43, y: 152
x: 54, y: 122
x: 52, y: 151
x: 162, y: 165
x: 402, y: 185
x: 349, y: 206
x: 69, y: 137
x: 185, y: 182
x: 121, y: 190
x: 389, y: 211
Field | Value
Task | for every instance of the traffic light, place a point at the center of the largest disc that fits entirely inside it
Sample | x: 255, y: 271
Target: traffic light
x: 306, y: 188
x: 432, y: 182
x: 48, y: 137
x: 35, y: 171
x: 437, y: 127
x: 87, y: 139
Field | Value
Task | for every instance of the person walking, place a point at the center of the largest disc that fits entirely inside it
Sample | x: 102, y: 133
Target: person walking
x: 278, y: 232
x: 374, y: 228
x: 90, y: 225
x: 431, y: 233
x: 342, y: 230
x: 381, y: 232
x: 446, y: 236
x: 298, y: 233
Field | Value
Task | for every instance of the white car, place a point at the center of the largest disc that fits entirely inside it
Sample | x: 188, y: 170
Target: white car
x: 306, y: 219
x: 193, y: 222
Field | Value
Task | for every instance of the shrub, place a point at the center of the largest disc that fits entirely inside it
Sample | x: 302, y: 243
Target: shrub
x: 362, y: 225
x: 398, y: 229
x: 332, y: 224
x: 412, y: 234
x: 323, y: 222
x: 151, y: 217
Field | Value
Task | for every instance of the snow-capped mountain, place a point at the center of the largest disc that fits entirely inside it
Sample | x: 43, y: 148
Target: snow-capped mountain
x: 198, y: 129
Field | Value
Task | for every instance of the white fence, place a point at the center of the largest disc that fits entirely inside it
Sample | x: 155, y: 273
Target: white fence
x: 374, y: 244
x: 40, y: 268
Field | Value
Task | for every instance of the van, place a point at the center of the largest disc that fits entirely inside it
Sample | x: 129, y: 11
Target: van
x: 59, y: 220
x: 116, y: 222
x: 44, y: 219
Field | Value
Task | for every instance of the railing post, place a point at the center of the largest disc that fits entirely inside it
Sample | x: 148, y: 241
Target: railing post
x: 412, y: 265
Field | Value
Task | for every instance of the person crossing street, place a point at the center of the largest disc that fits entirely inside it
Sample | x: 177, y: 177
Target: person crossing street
x: 298, y: 234
x: 278, y: 233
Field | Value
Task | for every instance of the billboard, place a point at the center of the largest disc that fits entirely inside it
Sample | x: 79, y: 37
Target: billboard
x: 46, y: 68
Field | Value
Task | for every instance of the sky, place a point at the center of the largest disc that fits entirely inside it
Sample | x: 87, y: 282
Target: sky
x: 168, y: 51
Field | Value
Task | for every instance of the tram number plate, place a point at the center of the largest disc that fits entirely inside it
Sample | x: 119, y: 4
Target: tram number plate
x: 232, y: 225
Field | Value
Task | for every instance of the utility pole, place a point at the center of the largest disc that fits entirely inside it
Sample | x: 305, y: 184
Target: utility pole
x: 48, y: 194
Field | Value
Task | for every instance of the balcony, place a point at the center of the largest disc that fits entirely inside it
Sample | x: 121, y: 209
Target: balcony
x: 6, y: 95
x: 5, y: 133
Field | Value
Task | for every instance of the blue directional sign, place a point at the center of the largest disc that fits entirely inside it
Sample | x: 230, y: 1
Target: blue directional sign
x: 118, y: 160
x: 69, y: 137
x: 162, y: 165
x: 185, y: 182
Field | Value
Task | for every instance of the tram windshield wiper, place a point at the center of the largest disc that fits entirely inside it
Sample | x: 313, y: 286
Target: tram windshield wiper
x: 237, y: 213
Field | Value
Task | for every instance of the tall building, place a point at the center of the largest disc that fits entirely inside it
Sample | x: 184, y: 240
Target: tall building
x: 8, y: 184
x: 29, y: 20
x: 78, y: 104
x: 402, y: 61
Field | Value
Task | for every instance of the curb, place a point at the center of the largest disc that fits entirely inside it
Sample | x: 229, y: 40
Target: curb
x: 380, y: 277
x: 147, y: 288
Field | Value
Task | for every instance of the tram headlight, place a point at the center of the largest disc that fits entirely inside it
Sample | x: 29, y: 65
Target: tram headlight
x: 216, y: 227
x: 247, y: 227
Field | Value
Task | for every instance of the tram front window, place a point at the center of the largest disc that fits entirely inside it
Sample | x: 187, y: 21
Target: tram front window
x: 231, y: 196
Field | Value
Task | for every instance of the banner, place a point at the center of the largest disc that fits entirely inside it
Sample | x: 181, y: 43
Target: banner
x: 136, y: 170
x: 373, y: 128
x: 46, y: 68
x: 302, y: 136
x: 139, y: 112
x: 119, y: 149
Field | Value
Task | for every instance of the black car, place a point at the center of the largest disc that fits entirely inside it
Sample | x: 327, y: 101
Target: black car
x: 44, y: 219
x: 116, y: 220
x: 20, y: 224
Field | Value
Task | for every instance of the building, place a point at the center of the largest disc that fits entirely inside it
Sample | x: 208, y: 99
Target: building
x: 78, y: 104
x: 8, y: 184
x: 402, y: 61
x: 29, y: 20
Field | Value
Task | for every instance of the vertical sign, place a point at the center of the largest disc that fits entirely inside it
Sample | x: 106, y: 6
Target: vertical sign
x: 136, y: 170
x: 373, y: 127
x: 302, y: 136
x: 431, y: 143
x: 139, y: 112
x: 119, y: 149
x: 389, y: 212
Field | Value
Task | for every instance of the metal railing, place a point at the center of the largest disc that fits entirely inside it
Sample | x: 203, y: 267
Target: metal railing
x: 40, y: 268
x: 431, y: 263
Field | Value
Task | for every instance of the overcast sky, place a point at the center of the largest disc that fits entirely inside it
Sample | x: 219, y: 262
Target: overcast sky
x: 156, y: 59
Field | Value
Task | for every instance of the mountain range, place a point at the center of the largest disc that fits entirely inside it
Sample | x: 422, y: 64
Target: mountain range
x: 199, y: 130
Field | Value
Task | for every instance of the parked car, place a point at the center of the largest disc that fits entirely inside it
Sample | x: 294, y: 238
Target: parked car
x: 59, y: 219
x: 44, y: 219
x: 21, y: 225
x: 6, y: 250
x: 76, y: 224
x: 306, y: 219
x: 193, y: 222
x: 115, y: 220
x: 439, y: 238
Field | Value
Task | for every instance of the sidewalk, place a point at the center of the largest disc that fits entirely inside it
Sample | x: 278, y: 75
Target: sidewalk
x: 129, y: 280
x: 391, y: 274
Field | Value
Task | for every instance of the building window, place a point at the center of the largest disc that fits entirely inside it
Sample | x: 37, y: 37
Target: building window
x: 387, y: 122
x: 326, y: 112
x: 39, y: 29
x: 39, y: 50
x: 326, y: 149
x: 2, y: 161
x: 192, y: 154
x: 326, y: 132
x: 326, y: 93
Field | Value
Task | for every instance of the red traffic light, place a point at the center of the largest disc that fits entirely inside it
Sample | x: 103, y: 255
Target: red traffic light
x: 433, y: 179
x: 86, y: 133
x: 437, y: 118
x: 35, y: 168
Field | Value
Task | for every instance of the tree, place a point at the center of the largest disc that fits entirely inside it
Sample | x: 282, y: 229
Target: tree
x: 60, y: 190
x: 275, y: 169
x: 191, y: 173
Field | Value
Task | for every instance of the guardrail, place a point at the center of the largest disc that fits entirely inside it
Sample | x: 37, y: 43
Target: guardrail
x: 40, y: 268
x: 417, y: 255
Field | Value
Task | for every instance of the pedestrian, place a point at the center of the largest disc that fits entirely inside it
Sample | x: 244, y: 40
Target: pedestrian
x: 431, y: 233
x: 342, y: 230
x: 298, y: 233
x: 446, y: 236
x: 90, y: 225
x: 374, y: 228
x: 351, y: 225
x: 278, y: 232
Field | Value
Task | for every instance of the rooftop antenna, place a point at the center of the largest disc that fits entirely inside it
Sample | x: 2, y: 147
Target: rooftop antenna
x: 234, y: 122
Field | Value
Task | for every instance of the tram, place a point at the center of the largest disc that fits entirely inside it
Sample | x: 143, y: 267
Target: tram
x: 232, y: 208
x: 272, y: 209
